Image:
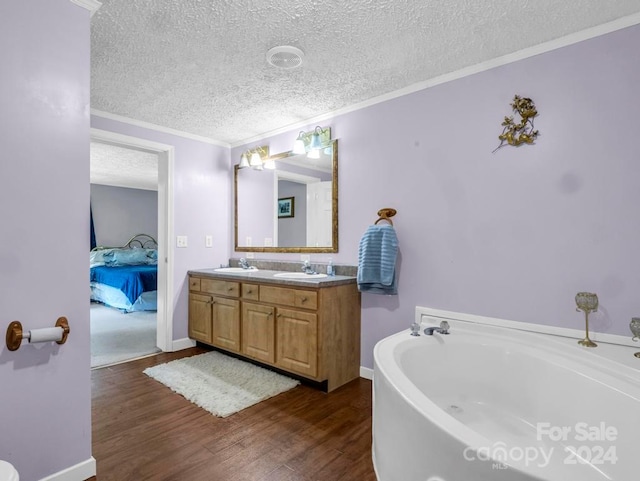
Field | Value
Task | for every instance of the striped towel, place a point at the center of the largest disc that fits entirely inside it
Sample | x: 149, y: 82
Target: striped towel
x: 377, y: 260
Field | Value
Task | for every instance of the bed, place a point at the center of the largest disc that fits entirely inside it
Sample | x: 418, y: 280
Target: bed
x: 126, y: 277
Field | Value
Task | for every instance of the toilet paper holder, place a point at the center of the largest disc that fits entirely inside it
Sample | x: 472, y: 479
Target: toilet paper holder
x: 15, y: 334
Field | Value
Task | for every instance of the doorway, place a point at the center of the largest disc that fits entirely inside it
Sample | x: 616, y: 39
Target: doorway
x: 165, y: 153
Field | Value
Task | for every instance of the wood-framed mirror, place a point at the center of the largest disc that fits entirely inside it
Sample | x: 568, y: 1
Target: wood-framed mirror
x: 292, y: 208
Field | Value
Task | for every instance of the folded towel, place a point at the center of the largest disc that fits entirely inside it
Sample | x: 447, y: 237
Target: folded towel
x: 377, y: 260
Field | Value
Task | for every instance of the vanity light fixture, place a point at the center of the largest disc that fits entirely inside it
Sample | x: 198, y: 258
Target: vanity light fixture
x: 244, y: 161
x: 256, y: 158
x: 312, y: 142
x: 316, y: 143
x: 298, y: 145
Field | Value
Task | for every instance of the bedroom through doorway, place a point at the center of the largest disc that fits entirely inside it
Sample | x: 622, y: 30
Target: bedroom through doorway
x: 130, y: 189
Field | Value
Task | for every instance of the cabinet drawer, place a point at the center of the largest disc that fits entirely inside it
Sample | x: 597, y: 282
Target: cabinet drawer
x: 250, y: 292
x: 289, y: 297
x: 221, y: 288
x: 194, y: 283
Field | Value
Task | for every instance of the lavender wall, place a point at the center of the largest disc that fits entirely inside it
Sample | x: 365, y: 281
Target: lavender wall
x: 514, y: 234
x: 201, y: 206
x: 120, y: 213
x: 44, y: 197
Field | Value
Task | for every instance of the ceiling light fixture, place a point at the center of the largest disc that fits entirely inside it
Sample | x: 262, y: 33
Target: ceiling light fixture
x: 256, y: 158
x: 285, y: 57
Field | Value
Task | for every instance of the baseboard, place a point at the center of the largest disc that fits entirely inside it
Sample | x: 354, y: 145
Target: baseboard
x: 366, y: 373
x: 84, y: 470
x: 184, y: 343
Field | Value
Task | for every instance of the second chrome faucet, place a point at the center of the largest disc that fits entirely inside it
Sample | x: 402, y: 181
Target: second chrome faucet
x: 443, y: 329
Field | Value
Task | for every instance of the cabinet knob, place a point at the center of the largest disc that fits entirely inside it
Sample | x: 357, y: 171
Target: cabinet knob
x: 230, y: 289
x: 304, y: 299
x: 270, y: 314
x: 279, y: 315
x: 249, y: 291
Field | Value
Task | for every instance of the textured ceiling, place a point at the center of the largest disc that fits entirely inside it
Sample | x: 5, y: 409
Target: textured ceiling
x: 199, y: 65
x: 122, y: 167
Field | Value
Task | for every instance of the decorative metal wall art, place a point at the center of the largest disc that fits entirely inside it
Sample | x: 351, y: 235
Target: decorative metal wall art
x: 522, y: 132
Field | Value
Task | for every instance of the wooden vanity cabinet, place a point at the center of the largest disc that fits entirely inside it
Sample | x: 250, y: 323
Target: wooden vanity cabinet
x: 214, y: 319
x: 258, y: 332
x: 200, y: 317
x: 225, y: 320
x: 309, y: 331
x: 297, y: 343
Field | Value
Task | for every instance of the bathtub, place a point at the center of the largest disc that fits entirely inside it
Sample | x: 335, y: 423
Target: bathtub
x: 494, y: 401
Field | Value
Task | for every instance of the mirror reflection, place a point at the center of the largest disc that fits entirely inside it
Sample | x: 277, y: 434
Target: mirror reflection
x: 291, y: 207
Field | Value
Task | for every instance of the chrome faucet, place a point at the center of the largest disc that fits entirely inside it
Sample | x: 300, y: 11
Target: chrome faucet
x: 307, y: 269
x: 244, y: 264
x: 443, y: 329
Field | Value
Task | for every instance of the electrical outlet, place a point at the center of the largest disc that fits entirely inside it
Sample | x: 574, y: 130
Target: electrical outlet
x: 181, y: 241
x: 248, y: 242
x: 249, y: 255
x: 208, y: 241
x: 268, y: 242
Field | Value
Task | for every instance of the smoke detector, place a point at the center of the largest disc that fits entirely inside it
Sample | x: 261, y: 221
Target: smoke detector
x: 285, y: 56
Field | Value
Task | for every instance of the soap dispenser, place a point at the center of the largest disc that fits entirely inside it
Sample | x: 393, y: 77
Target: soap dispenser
x: 330, y: 269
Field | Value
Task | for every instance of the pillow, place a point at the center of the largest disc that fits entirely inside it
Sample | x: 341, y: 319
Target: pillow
x: 152, y: 256
x: 96, y: 258
x: 126, y: 257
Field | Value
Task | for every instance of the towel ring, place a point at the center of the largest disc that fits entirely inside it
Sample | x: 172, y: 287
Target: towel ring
x: 386, y: 214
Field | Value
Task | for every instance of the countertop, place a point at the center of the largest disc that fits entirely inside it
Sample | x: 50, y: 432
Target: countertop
x: 267, y: 277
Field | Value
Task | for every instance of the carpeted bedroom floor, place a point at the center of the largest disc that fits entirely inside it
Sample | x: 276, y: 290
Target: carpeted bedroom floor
x: 118, y: 337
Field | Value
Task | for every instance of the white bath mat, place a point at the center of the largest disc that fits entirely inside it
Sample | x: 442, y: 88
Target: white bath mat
x: 220, y: 384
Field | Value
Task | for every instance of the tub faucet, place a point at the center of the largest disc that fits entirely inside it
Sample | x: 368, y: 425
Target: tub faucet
x: 443, y: 329
x: 243, y: 263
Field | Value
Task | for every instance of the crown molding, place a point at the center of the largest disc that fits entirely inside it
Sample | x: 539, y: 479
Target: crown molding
x: 555, y: 44
x: 158, y: 128
x: 91, y: 5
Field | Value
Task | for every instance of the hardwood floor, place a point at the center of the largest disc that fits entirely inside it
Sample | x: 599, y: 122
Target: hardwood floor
x: 144, y: 431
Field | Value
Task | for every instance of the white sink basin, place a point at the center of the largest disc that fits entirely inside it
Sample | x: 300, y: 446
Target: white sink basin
x: 298, y: 275
x: 236, y: 269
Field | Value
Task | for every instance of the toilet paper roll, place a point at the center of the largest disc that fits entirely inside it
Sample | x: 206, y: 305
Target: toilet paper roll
x: 46, y: 335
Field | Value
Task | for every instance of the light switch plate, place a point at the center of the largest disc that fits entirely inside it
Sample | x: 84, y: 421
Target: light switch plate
x: 208, y: 241
x: 249, y: 255
x: 181, y: 241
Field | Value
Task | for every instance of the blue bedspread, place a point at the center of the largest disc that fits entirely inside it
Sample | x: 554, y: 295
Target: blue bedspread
x: 132, y: 280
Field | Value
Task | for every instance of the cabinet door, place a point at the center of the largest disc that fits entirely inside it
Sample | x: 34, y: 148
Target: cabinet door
x: 226, y: 323
x: 200, y: 318
x: 258, y: 339
x: 297, y: 341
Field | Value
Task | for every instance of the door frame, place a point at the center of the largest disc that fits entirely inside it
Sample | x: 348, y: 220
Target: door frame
x: 166, y: 158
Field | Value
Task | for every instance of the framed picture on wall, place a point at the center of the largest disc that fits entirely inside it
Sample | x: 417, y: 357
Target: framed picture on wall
x: 286, y: 207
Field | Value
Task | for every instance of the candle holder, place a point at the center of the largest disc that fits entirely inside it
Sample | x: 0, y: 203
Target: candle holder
x: 634, y: 325
x: 587, y: 302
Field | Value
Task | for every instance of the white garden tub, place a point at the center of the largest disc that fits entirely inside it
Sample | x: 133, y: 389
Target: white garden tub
x: 498, y: 403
